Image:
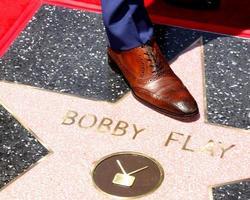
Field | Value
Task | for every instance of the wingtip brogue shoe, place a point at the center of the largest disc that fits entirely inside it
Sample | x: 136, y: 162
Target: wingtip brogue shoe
x: 153, y: 82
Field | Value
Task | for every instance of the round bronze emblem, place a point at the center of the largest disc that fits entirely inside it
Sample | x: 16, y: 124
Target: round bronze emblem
x: 128, y: 175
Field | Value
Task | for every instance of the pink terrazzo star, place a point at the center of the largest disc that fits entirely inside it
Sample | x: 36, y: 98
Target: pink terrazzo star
x: 194, y: 155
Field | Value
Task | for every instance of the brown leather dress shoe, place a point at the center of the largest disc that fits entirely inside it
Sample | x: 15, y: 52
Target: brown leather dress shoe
x: 153, y: 82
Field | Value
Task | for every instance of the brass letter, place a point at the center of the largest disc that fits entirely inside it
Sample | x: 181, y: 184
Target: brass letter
x: 171, y: 138
x: 69, y: 118
x: 88, y: 125
x: 121, y: 125
x: 106, y: 122
x: 224, y: 150
x: 186, y: 143
x: 209, y: 147
x: 137, y: 131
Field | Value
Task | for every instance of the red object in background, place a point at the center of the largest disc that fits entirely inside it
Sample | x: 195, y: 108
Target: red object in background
x: 14, y: 15
x: 233, y: 17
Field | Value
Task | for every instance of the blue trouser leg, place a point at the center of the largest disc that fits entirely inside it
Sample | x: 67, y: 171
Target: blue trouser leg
x: 127, y: 23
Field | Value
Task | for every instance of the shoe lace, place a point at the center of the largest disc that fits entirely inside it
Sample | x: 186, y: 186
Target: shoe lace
x: 153, y: 58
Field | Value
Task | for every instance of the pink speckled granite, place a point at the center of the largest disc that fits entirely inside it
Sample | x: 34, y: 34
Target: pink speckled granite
x: 66, y: 173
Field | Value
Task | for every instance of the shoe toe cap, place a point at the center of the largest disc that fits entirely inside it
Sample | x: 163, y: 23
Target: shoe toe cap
x: 186, y: 107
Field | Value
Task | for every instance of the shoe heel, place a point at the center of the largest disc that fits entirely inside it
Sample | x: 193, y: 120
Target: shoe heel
x: 115, y: 68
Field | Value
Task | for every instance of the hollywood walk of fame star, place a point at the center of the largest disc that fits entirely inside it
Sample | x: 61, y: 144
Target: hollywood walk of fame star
x: 66, y: 174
